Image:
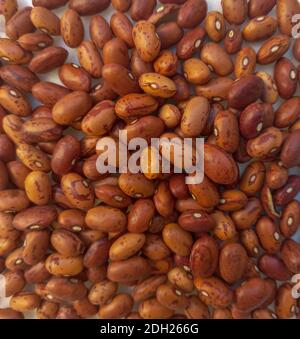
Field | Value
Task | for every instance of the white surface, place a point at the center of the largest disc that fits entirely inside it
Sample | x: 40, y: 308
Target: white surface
x: 52, y: 76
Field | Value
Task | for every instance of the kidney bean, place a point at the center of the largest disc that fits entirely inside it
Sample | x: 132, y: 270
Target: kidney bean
x: 35, y: 41
x: 122, y: 28
x: 126, y: 246
x: 206, y: 193
x: 59, y: 265
x: 290, y: 153
x: 47, y: 310
x: 90, y: 59
x: 287, y: 113
x: 285, y: 11
x: 45, y: 20
x: 24, y: 301
x: 245, y: 62
x: 35, y: 247
x: 192, y: 13
x: 71, y: 28
x: 216, y: 89
x: 169, y: 34
x: 38, y: 187
x: 232, y: 200
x: 171, y: 297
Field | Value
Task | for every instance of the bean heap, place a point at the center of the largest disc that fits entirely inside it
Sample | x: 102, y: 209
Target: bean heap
x: 71, y: 238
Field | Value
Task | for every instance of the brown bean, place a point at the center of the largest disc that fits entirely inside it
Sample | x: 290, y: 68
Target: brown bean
x: 45, y: 20
x: 152, y: 309
x: 102, y: 292
x: 208, y: 199
x: 14, y: 282
x: 171, y: 297
x: 290, y: 219
x: 35, y: 218
x: 8, y: 8
x: 33, y: 158
x: 233, y: 40
x: 90, y: 59
x: 287, y: 193
x: 35, y: 247
x: 273, y: 49
x: 36, y: 41
x: 250, y: 84
x: 204, y: 257
x: 169, y: 34
x: 136, y: 186
x: 270, y: 93
x: 273, y: 267
x: 285, y: 76
x: 49, y: 93
x: 59, y: 265
x: 140, y: 215
x: 47, y: 310
x: 216, y: 89
x: 83, y: 7
x: 48, y: 59
x: 190, y: 43
x: 215, y: 26
x: 71, y: 28
x: 66, y: 243
x: 214, y: 292
x: 258, y: 8
x: 120, y: 79
x: 290, y: 153
x: 126, y: 246
x: 38, y: 187
x: 245, y: 62
x: 105, y: 218
x: 147, y: 288
x: 287, y: 113
x: 226, y: 131
x: 19, y: 23
x: 118, y: 308
x: 14, y: 101
x: 8, y: 313
x: 41, y: 130
x: 260, y: 28
x: 269, y: 237
x: 121, y: 5
x: 13, y: 200
x: 233, y: 262
x: 132, y: 269
x: 217, y: 59
x: 225, y: 228
x: 100, y: 31
x: 192, y: 13
x: 232, y: 200
x: 246, y: 217
x: 71, y: 107
x: 37, y: 274
x: 84, y: 308
x: 235, y: 12
x: 78, y: 191
x: 251, y: 295
x: 215, y: 157
x: 171, y: 235
x: 196, y: 221
x: 122, y: 28
x: 19, y: 77
x: 25, y: 301
x: 196, y: 72
x: 142, y: 9
x: 285, y: 304
x: 285, y: 11
x: 290, y: 255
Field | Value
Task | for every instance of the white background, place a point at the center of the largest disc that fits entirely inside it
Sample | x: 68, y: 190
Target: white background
x: 52, y: 76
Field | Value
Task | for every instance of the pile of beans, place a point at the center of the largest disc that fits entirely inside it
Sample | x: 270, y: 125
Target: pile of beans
x: 71, y: 238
